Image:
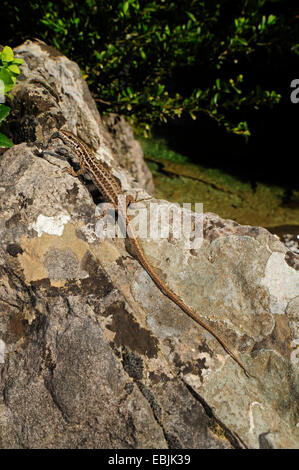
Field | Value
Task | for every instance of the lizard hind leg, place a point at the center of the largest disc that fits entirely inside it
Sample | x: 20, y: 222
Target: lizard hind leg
x: 132, y: 199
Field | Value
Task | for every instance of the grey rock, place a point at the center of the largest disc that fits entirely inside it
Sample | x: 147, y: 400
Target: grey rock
x: 128, y: 150
x: 92, y: 354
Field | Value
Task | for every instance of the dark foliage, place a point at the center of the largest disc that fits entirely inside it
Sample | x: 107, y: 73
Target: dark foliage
x: 227, y: 64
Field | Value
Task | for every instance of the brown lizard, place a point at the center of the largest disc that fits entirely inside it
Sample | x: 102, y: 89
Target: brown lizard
x: 111, y: 189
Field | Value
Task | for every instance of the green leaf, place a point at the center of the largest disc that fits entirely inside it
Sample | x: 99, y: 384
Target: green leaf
x: 4, y: 111
x: 7, y: 79
x: 295, y: 48
x: 215, y: 98
x: 14, y: 68
x: 5, y: 141
x: 125, y: 7
x: 243, y: 42
x: 271, y: 19
x: 18, y: 61
x: 191, y: 16
x: 160, y: 88
x: 7, y: 54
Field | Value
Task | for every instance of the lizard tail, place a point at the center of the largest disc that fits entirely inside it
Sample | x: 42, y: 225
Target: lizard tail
x: 171, y: 295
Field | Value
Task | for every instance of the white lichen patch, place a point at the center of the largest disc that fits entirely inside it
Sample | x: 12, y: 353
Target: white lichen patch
x: 2, y: 351
x: 51, y: 225
x: 251, y: 417
x: 282, y: 282
x: 89, y: 232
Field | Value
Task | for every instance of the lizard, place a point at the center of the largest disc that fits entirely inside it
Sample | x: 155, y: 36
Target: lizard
x: 111, y: 189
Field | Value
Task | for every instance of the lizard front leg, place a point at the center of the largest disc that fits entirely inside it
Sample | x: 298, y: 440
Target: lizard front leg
x: 73, y: 172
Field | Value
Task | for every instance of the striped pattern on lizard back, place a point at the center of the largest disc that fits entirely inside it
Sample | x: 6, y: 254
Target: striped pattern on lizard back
x: 99, y: 173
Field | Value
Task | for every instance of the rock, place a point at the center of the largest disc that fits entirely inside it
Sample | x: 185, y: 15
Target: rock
x: 92, y: 354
